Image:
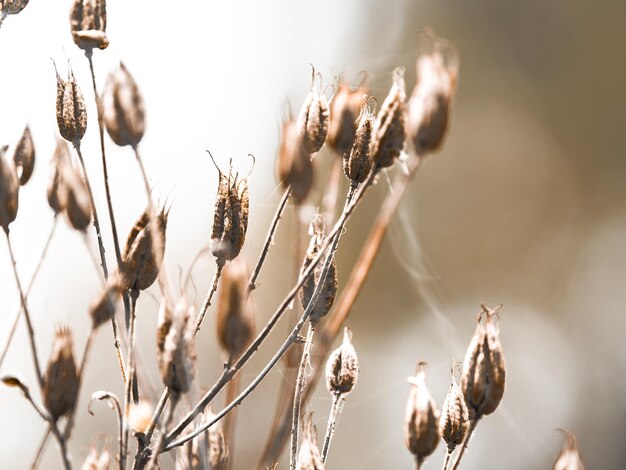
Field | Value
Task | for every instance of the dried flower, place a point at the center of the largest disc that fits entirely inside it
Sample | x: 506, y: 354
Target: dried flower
x: 61, y: 377
x: 358, y: 163
x: 164, y: 323
x: 12, y: 7
x: 88, y: 23
x: 24, y: 157
x: 103, y: 307
x: 295, y: 168
x: 484, y: 369
x: 421, y: 427
x: 71, y: 111
x: 75, y: 199
x: 97, y: 460
x: 313, y: 117
x: 9, y: 191
x: 124, y: 114
x: 309, y: 457
x: 342, y: 367
x: 344, y: 114
x: 56, y: 188
x: 569, y: 458
x: 454, y: 420
x: 389, y: 129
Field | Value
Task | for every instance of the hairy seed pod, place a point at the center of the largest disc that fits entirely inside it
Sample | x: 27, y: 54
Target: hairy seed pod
x: 295, y: 168
x: 358, y: 163
x: 313, y: 118
x: 75, y: 199
x: 390, y: 127
x: 344, y: 115
x: 56, y: 187
x: 329, y: 290
x: 569, y: 458
x: 484, y: 369
x: 61, y: 377
x: 124, y: 112
x: 103, y: 307
x: 71, y: 110
x: 9, y: 191
x: 24, y: 157
x: 309, y: 457
x: 88, y: 23
x: 421, y: 426
x: 177, y: 366
x: 12, y: 7
x: 342, y: 367
x: 454, y: 421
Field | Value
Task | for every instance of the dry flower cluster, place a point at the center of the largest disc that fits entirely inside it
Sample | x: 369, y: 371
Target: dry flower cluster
x: 402, y: 133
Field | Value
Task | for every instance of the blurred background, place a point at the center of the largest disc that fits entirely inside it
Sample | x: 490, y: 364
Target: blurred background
x: 524, y: 206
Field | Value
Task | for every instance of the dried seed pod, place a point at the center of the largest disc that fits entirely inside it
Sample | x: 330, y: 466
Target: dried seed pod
x: 12, y: 7
x: 430, y: 102
x: 9, y: 191
x: 103, y: 307
x: 164, y: 323
x: 97, y: 460
x: 124, y: 113
x: 88, y: 23
x: 358, y: 163
x: 24, y: 156
x: 235, y: 319
x: 61, y: 377
x: 390, y: 127
x: 344, y: 115
x: 56, y: 188
x: 421, y: 427
x: 75, y: 199
x: 143, y: 256
x: 342, y: 367
x: 569, y: 458
x: 71, y: 110
x: 218, y: 448
x: 484, y: 369
x: 313, y: 117
x: 309, y: 457
x: 454, y: 421
x: 329, y: 290
x: 295, y: 168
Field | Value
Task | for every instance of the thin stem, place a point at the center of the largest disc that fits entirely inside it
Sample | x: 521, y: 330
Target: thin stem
x: 332, y: 421
x: 297, y: 397
x: 446, y: 462
x: 130, y: 368
x: 168, y: 422
x: 209, y: 297
x: 157, y: 414
x: 62, y: 445
x: 472, y: 427
x: 418, y: 462
x: 228, y: 428
x: 16, y: 317
x: 40, y: 449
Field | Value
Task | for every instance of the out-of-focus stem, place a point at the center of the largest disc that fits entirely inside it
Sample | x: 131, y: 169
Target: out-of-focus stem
x: 330, y: 428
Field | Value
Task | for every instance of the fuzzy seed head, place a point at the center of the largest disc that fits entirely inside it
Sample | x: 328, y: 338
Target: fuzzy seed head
x: 12, y: 7
x: 75, y: 199
x: 344, y: 116
x: 569, y: 458
x: 24, y: 157
x: 71, y: 110
x: 9, y: 191
x: 484, y: 369
x: 454, y: 421
x: 421, y: 426
x: 309, y: 457
x: 295, y: 168
x: 103, y: 307
x: 88, y: 23
x: 61, y: 377
x: 56, y: 187
x: 124, y: 112
x: 139, y: 416
x: 358, y: 164
x: 342, y: 368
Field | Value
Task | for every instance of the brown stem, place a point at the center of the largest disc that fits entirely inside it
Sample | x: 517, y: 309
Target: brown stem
x: 40, y: 449
x: 207, y: 301
x: 446, y: 462
x: 472, y: 427
x: 228, y: 428
x: 130, y: 367
x: 332, y: 421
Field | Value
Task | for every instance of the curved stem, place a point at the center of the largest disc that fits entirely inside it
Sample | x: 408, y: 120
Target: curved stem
x: 330, y: 428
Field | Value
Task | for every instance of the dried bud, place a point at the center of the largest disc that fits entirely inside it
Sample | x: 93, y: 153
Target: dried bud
x: 218, y: 448
x: 230, y: 220
x: 139, y: 416
x: 61, y: 377
x: 344, y: 114
x: 11, y: 7
x: 313, y: 117
x: 24, y: 157
x: 329, y: 289
x: 179, y: 351
x: 9, y: 191
x: 421, y: 428
x: 342, y: 368
x: 56, y: 187
x: 484, y: 369
x: 390, y: 126
x: 71, y: 111
x: 97, y: 460
x: 124, y: 114
x: 569, y: 458
x: 454, y: 420
x: 88, y: 23
x: 430, y: 101
x: 295, y: 168
x: 143, y: 256
x: 103, y: 307
x: 309, y: 457
x: 358, y: 163
x: 235, y: 319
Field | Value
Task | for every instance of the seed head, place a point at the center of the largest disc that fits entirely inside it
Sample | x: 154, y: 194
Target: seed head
x: 309, y: 457
x: 295, y: 168
x: 88, y: 23
x: 390, y: 127
x: 24, y: 157
x: 124, y: 112
x: 313, y: 117
x: 75, y: 199
x: 484, y: 369
x: 569, y: 458
x: 103, y: 307
x: 56, y: 187
x: 61, y: 377
x: 421, y: 427
x: 344, y: 115
x: 9, y: 191
x: 71, y: 111
x: 454, y: 420
x: 12, y: 7
x: 358, y: 163
x: 342, y: 368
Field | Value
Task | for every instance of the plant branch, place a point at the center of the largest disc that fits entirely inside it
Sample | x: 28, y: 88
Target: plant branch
x: 332, y: 421
x: 471, y: 430
x: 130, y: 368
x: 207, y: 301
x: 40, y: 449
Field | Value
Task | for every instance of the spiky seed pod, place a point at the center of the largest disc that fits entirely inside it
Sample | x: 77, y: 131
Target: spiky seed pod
x: 569, y: 458
x: 421, y: 427
x: 88, y: 23
x: 71, y: 110
x: 61, y: 377
x: 454, y: 421
x: 103, y: 307
x: 358, y: 163
x: 313, y: 117
x: 75, y: 199
x: 124, y: 112
x: 294, y: 163
x: 12, y: 7
x: 217, y: 445
x: 430, y: 102
x: 329, y: 290
x: 342, y: 367
x: 97, y: 460
x: 235, y: 319
x: 56, y: 187
x: 24, y: 156
x: 142, y: 257
x: 344, y: 115
x: 484, y: 369
x: 9, y: 191
x: 309, y: 457
x: 390, y: 127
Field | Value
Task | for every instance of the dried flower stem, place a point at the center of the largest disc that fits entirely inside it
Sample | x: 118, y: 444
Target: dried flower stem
x: 228, y: 427
x: 207, y: 301
x: 472, y: 427
x: 446, y: 462
x: 418, y: 462
x: 40, y: 449
x: 332, y: 421
x: 130, y: 367
x: 139, y: 464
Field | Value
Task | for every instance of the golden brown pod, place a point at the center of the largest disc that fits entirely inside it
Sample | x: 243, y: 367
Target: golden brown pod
x: 295, y: 168
x: 56, y: 188
x: 9, y: 191
x: 61, y: 377
x: 11, y: 7
x: 358, y: 163
x: 314, y: 116
x: 344, y: 116
x: 342, y: 367
x: 75, y: 199
x: 178, y: 360
x: 103, y: 307
x: 454, y: 421
x: 309, y: 457
x: 70, y: 109
x: 88, y: 24
x: 569, y: 458
x: 24, y: 157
